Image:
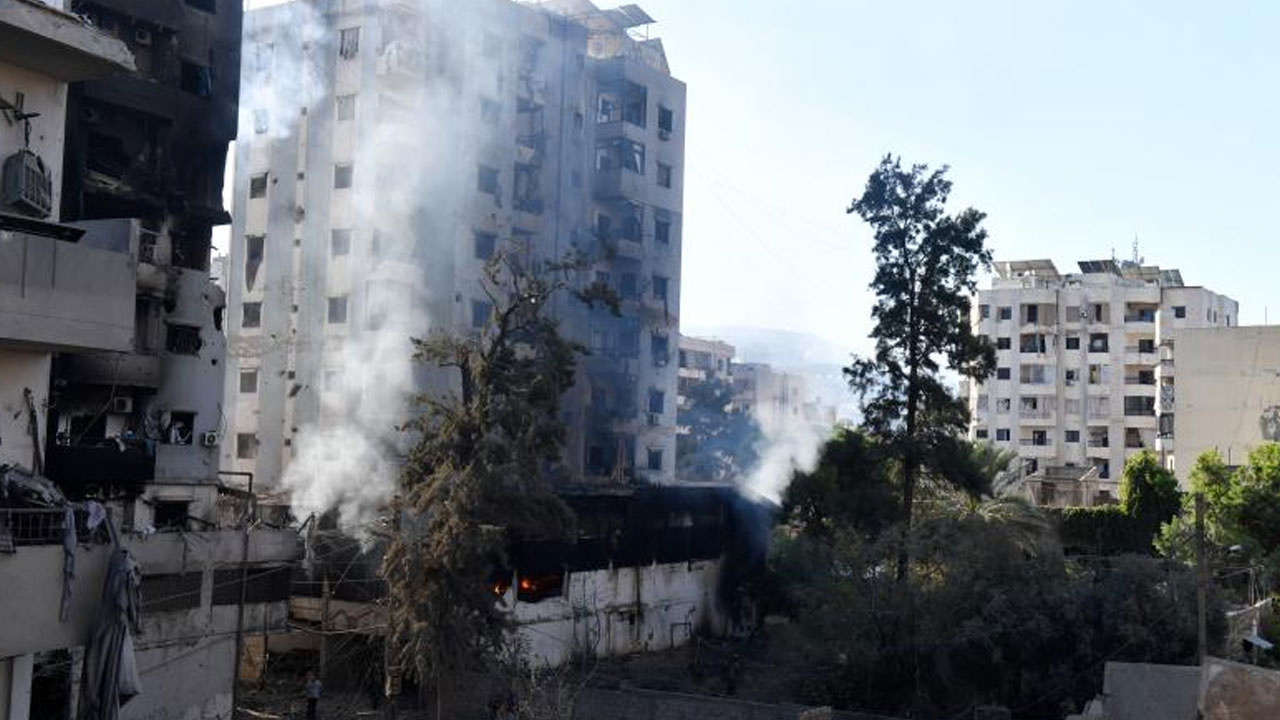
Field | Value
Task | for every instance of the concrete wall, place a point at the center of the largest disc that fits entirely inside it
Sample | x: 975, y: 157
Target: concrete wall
x: 48, y: 97
x: 61, y: 295
x: 1227, y: 392
x: 623, y: 610
x: 1231, y: 691
x: 649, y: 704
x: 20, y: 370
x: 1142, y: 691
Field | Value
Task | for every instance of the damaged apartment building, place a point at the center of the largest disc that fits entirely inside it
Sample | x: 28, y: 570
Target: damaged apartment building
x: 426, y: 137
x: 112, y: 356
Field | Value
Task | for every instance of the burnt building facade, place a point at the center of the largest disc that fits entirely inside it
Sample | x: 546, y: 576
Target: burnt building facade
x: 388, y: 150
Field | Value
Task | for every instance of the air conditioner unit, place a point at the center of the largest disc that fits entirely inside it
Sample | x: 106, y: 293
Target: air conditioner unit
x: 209, y: 439
x: 142, y: 36
x: 28, y: 185
x: 664, y: 134
x: 122, y: 405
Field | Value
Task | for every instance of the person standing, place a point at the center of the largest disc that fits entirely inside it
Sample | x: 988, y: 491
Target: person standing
x: 313, y: 695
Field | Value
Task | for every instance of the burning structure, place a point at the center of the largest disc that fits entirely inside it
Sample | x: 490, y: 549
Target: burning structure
x: 112, y: 354
x: 387, y: 150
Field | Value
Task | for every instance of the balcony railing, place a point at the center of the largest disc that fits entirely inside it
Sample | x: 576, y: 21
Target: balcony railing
x: 1034, y: 442
x: 43, y: 526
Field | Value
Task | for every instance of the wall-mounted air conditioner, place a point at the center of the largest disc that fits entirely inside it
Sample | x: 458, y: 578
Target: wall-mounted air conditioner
x: 122, y: 405
x: 28, y: 184
x: 209, y: 439
x: 142, y: 36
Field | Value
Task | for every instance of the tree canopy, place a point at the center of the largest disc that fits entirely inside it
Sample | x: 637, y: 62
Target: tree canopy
x: 719, y: 441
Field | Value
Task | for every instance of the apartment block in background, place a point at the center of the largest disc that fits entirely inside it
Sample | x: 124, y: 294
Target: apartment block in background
x: 1079, y: 375
x: 426, y: 138
x: 701, y: 360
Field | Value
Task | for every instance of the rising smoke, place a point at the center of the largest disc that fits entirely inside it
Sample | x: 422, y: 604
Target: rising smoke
x: 788, y: 447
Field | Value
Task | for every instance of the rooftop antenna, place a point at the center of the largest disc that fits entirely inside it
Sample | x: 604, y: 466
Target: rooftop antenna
x: 1137, y: 260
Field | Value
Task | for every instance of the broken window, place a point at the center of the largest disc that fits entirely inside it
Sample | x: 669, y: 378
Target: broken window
x: 660, y: 350
x: 246, y: 446
x: 627, y: 286
x: 655, y: 459
x: 487, y: 180
x: 258, y: 186
x: 248, y: 381
x: 251, y: 315
x: 340, y: 242
x: 253, y: 249
x: 196, y: 79
x: 480, y: 312
x: 623, y: 101
x: 662, y: 229
x: 260, y: 121
x: 526, y: 194
x: 346, y: 107
x: 349, y: 42
x: 633, y: 222
x: 490, y: 111
x: 183, y: 340
x: 170, y: 514
x: 666, y: 121
x: 619, y: 153
x: 657, y: 401
x: 660, y: 288
x: 664, y: 175
x: 181, y: 428
x: 342, y: 176
x: 338, y: 309
x: 485, y: 245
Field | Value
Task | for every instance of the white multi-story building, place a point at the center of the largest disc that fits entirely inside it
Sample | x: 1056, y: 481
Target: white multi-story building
x: 425, y: 137
x: 1078, y: 364
x: 703, y: 359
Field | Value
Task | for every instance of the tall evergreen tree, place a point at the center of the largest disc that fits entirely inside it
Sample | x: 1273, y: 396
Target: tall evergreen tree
x: 926, y: 262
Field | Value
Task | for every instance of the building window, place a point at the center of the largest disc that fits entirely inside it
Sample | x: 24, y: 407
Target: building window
x: 625, y: 101
x: 340, y: 242
x: 251, y: 315
x: 657, y: 401
x: 1073, y: 342
x: 209, y: 6
x: 1073, y: 436
x: 1006, y: 312
x: 246, y: 446
x: 253, y: 252
x: 183, y: 340
x: 342, y: 176
x: 258, y: 186
x: 1004, y: 343
x: 662, y: 230
x: 248, y: 381
x: 1180, y: 311
x: 1098, y: 342
x: 664, y: 175
x: 338, y: 309
x: 1002, y: 373
x: 349, y: 42
x: 1003, y: 405
x: 655, y: 459
x: 1146, y: 345
x: 981, y: 433
x: 627, y: 286
x: 260, y: 121
x: 487, y: 180
x: 659, y: 288
x: 1072, y: 376
x: 346, y: 107
x: 1002, y: 434
x: 666, y: 122
x: 485, y: 245
x: 984, y: 312
x: 660, y: 349
x: 196, y: 79
x: 619, y: 154
x: 480, y: 312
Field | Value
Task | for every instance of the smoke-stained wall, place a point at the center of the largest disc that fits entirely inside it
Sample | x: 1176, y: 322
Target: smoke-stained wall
x: 386, y: 149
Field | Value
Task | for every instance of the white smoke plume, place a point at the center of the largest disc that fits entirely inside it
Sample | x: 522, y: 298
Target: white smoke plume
x: 790, y: 446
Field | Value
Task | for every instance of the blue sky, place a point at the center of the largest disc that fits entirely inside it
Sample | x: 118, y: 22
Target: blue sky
x: 1074, y: 125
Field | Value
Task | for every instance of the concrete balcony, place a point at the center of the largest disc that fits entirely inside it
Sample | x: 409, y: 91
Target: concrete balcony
x: 58, y: 293
x: 618, y: 183
x: 1028, y: 448
x: 32, y: 578
x: 133, y: 370
x: 1097, y: 451
x: 58, y: 44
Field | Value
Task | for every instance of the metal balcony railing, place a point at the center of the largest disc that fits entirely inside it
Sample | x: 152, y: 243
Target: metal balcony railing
x: 42, y: 526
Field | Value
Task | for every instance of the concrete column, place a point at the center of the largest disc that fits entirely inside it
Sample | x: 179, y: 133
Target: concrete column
x: 21, y: 668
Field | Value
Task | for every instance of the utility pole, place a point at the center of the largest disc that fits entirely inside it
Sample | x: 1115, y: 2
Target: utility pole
x: 324, y: 629
x: 249, y: 507
x: 1202, y: 579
